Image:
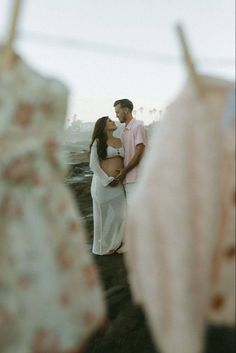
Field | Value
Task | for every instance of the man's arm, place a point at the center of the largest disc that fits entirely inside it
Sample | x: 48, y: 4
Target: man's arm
x: 139, y: 151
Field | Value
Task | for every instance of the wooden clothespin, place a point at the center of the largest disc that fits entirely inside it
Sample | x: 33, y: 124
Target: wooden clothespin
x: 192, y: 72
x: 8, y: 54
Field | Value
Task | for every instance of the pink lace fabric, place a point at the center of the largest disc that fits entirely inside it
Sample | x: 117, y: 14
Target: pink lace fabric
x: 50, y: 296
x: 181, y: 225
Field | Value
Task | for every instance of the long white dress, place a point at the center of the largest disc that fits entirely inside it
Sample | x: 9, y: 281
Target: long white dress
x: 50, y: 296
x: 108, y: 205
x: 181, y: 224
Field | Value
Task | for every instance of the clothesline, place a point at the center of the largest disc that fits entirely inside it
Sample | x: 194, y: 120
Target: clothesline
x: 105, y: 48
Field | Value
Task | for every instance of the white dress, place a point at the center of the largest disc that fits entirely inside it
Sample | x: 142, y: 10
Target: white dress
x: 108, y: 205
x: 50, y: 297
x: 181, y: 223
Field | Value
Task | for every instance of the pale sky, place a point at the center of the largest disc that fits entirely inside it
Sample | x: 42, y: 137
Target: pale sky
x: 97, y: 72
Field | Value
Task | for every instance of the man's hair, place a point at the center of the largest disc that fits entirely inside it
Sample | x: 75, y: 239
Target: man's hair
x: 124, y: 103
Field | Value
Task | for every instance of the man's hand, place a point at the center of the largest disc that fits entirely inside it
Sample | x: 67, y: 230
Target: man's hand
x: 121, y: 176
x: 114, y: 182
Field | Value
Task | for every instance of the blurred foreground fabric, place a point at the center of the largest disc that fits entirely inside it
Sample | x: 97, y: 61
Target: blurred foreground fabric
x: 50, y: 297
x: 181, y: 223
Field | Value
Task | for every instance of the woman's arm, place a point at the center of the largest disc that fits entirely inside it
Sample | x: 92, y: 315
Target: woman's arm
x: 96, y: 168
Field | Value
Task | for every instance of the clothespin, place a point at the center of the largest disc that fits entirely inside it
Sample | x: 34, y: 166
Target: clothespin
x: 192, y: 72
x: 8, y: 53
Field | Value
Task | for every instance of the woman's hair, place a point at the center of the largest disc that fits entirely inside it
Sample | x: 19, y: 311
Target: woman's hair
x: 100, y: 136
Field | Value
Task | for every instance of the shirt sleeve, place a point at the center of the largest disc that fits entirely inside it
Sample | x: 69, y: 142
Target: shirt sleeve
x: 140, y: 135
x: 96, y: 168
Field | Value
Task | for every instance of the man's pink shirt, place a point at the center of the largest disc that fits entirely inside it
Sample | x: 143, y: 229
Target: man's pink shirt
x: 133, y: 134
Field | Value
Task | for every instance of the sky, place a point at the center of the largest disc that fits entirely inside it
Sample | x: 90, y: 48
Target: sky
x: 104, y: 50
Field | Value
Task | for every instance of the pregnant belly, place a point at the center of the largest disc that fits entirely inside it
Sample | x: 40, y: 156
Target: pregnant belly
x: 112, y: 166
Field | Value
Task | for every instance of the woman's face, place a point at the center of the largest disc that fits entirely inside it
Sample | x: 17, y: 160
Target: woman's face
x: 110, y: 125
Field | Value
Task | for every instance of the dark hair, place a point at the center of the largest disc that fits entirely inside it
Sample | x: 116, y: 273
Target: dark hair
x: 124, y: 103
x: 101, y: 137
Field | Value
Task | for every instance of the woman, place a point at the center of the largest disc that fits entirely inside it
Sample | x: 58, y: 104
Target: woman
x: 106, y: 161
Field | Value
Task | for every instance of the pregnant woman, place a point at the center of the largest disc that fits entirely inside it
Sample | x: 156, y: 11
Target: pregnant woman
x: 106, y: 160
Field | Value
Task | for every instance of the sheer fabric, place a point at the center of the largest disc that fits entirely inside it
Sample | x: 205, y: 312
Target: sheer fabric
x: 108, y: 206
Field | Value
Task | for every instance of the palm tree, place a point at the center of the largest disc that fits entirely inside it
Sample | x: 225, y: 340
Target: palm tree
x: 141, y: 110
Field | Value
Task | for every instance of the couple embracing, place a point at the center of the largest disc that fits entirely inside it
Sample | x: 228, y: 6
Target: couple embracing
x: 114, y: 163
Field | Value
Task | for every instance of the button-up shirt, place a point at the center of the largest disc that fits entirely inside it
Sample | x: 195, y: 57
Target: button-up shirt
x: 133, y: 134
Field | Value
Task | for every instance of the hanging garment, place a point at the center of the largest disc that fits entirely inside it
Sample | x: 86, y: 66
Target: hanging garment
x: 50, y: 298
x: 180, y: 229
x: 108, y: 205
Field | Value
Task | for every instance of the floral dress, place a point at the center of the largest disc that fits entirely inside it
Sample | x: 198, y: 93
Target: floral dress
x: 50, y: 298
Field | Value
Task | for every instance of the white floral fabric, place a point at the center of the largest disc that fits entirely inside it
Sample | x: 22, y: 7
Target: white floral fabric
x: 181, y: 223
x: 50, y: 297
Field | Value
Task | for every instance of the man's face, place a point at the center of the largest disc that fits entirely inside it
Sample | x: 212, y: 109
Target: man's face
x: 121, y: 113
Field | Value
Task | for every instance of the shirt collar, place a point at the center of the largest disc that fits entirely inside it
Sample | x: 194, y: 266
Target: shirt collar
x: 131, y: 123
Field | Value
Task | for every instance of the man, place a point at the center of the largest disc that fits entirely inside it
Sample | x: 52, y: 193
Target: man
x: 134, y: 139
